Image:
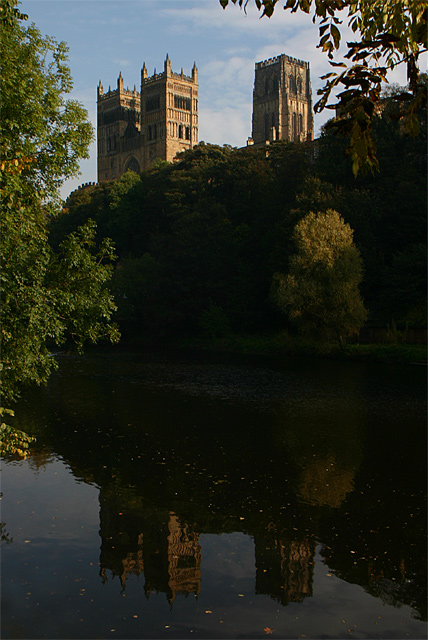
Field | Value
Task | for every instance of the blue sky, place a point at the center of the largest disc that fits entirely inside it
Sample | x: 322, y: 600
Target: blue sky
x: 106, y: 37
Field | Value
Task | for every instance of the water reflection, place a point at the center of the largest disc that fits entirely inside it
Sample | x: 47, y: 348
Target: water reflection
x: 284, y: 568
x: 158, y: 545
x: 329, y: 460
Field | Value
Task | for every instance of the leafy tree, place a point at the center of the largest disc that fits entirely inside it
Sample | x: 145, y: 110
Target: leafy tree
x: 214, y: 321
x: 390, y: 32
x: 47, y: 297
x: 405, y: 286
x: 320, y: 292
x: 41, y: 131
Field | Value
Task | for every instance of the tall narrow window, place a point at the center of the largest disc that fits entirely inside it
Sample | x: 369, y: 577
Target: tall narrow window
x: 180, y: 131
x: 187, y: 133
x: 152, y: 103
x: 183, y: 103
x: 266, y: 126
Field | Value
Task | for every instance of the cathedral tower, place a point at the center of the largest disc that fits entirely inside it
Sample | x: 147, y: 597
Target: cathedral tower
x: 135, y: 128
x: 282, y: 101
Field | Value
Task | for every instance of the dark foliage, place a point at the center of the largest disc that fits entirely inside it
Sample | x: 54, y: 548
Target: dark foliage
x: 210, y: 230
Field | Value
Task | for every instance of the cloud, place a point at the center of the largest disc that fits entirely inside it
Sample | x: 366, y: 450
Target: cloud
x: 211, y: 15
x: 224, y: 76
x: 123, y: 62
x: 231, y: 125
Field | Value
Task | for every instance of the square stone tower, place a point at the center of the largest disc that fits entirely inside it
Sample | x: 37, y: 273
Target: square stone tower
x: 169, y: 112
x: 136, y: 128
x: 282, y: 101
x: 118, y: 131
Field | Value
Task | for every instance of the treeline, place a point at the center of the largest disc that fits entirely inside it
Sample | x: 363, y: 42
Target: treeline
x: 199, y: 241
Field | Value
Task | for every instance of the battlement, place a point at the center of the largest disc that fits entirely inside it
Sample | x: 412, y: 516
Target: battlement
x: 277, y: 59
x: 120, y: 91
x: 117, y: 92
x: 81, y: 187
x: 168, y: 73
x: 161, y: 76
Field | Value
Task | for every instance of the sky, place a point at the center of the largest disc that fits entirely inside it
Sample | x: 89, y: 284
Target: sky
x: 106, y: 37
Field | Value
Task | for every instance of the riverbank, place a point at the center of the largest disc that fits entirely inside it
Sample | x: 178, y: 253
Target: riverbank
x: 283, y: 343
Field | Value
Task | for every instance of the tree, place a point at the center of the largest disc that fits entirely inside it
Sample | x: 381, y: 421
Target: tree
x: 391, y: 32
x: 43, y: 134
x: 320, y: 293
x: 47, y: 297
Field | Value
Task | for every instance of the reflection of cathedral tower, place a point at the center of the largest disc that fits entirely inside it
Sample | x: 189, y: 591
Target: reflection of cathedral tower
x: 282, y: 101
x: 158, y: 545
x: 184, y: 558
x: 284, y: 569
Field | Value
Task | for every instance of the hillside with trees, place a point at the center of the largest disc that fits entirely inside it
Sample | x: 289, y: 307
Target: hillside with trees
x: 200, y: 240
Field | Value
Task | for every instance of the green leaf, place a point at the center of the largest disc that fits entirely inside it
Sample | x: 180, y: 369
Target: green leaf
x: 336, y: 35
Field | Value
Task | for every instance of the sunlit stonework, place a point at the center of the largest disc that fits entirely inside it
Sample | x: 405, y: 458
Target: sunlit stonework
x: 135, y: 128
x: 282, y: 101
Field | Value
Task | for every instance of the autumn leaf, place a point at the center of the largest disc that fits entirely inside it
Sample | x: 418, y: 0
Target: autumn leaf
x: 268, y: 630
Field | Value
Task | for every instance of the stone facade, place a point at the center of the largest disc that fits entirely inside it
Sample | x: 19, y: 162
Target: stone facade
x: 135, y: 128
x: 282, y: 101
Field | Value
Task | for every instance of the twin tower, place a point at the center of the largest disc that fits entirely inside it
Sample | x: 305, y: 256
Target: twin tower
x: 135, y: 128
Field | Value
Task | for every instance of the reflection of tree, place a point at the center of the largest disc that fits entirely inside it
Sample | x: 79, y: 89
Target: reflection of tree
x: 395, y: 583
x: 380, y: 550
x: 40, y: 457
x: 284, y: 568
x: 4, y: 535
x: 325, y: 483
x: 301, y: 468
x: 324, y: 439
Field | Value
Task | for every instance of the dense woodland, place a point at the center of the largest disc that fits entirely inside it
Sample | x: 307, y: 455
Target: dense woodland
x: 199, y: 241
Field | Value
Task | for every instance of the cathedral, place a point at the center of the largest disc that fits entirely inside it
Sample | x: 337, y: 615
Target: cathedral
x: 282, y: 101
x: 134, y: 128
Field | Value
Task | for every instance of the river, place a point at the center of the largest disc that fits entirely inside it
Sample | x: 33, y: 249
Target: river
x: 171, y: 497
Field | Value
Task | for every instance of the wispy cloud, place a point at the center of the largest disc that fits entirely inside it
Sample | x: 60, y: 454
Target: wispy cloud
x: 122, y: 62
x: 231, y: 125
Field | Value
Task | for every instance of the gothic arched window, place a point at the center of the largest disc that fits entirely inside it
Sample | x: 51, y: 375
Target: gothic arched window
x: 267, y: 124
x: 266, y: 86
x: 132, y: 165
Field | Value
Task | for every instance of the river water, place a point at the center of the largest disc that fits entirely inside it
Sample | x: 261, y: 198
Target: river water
x: 201, y: 498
